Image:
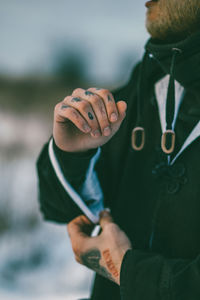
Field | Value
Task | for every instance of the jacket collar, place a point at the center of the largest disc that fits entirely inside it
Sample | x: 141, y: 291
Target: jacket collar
x: 187, y: 67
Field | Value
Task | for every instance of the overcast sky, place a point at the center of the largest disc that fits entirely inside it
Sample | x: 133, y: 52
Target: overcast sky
x: 32, y: 30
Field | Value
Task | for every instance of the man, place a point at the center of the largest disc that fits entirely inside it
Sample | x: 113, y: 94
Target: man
x: 138, y: 151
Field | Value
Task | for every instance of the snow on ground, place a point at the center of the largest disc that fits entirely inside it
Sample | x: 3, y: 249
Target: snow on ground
x: 36, y: 257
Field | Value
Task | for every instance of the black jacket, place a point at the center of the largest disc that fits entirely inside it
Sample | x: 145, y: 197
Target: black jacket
x: 156, y: 204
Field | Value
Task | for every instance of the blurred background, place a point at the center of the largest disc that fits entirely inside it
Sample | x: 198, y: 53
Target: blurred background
x: 47, y: 49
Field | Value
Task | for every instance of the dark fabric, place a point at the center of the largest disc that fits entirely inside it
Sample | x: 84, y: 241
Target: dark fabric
x: 74, y: 165
x: 155, y: 204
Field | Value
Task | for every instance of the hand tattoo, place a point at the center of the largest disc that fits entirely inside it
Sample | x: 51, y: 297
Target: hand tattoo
x: 64, y: 106
x: 76, y: 99
x: 109, y: 98
x: 109, y: 263
x: 88, y: 93
x: 91, y: 259
x: 90, y: 115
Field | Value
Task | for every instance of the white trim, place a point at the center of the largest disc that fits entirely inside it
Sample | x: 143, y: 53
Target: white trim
x: 161, y: 88
x: 161, y: 96
x: 191, y: 138
x: 68, y: 188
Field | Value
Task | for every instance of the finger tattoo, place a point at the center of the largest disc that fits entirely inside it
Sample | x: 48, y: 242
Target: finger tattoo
x: 88, y: 93
x: 109, y: 98
x: 90, y: 116
x: 91, y: 259
x: 76, y: 99
x: 64, y: 106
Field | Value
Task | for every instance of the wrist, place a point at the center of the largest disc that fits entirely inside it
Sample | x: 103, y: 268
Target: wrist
x: 74, y: 154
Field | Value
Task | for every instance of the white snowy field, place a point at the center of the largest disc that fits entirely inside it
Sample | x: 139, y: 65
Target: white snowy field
x: 36, y: 257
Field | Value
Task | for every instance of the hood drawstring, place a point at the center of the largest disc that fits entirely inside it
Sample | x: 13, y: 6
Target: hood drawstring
x: 168, y: 137
x: 138, y: 133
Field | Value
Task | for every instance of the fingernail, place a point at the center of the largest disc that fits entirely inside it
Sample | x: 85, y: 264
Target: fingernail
x: 113, y: 117
x: 96, y: 133
x: 86, y: 128
x: 107, y: 131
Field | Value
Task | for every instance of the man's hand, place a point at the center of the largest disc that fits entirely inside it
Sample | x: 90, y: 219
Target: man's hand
x: 103, y: 253
x: 87, y: 119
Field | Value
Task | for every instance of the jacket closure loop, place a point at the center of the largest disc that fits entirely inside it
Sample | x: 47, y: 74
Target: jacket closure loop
x: 161, y: 91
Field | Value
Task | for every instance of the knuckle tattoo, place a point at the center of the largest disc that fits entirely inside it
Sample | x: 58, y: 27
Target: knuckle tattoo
x: 88, y: 93
x: 109, y: 98
x: 64, y: 106
x: 90, y: 116
x: 76, y: 99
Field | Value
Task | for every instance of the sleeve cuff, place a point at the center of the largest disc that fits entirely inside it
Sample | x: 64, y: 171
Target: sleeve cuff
x: 73, y: 165
x: 124, y: 272
x: 64, y: 155
x: 141, y: 276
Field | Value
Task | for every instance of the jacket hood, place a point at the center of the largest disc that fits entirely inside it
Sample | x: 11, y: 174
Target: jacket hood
x: 187, y: 66
x: 181, y: 61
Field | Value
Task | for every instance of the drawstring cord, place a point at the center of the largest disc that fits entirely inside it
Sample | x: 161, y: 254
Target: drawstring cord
x: 168, y: 137
x: 138, y: 133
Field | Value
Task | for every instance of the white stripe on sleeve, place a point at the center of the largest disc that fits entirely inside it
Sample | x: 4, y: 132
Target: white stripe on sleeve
x: 90, y: 197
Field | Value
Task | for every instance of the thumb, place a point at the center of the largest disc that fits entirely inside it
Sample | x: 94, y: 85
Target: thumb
x: 122, y: 106
x: 105, y: 218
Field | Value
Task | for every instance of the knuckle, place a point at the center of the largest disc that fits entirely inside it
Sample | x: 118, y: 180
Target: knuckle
x: 92, y: 89
x: 111, y: 228
x: 84, y: 105
x: 112, y: 107
x: 77, y: 91
x: 74, y: 114
x: 67, y: 98
x: 103, y: 112
x: 105, y: 92
x: 57, y: 107
x: 71, y: 113
x: 95, y: 100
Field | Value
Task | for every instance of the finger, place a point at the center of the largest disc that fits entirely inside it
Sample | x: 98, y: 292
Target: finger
x: 65, y: 112
x: 79, y: 231
x: 85, y: 109
x: 109, y: 102
x: 122, y: 107
x: 99, y: 109
x: 80, y: 227
x: 105, y: 218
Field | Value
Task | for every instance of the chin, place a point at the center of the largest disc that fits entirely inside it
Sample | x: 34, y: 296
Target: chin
x: 160, y: 31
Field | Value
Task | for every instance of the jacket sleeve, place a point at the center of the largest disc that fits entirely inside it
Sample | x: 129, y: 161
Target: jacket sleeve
x: 55, y: 203
x: 151, y: 276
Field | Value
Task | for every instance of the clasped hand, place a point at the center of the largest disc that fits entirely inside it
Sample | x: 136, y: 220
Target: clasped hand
x: 103, y: 253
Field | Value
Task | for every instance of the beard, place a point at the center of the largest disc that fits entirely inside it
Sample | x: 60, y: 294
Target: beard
x: 173, y: 20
